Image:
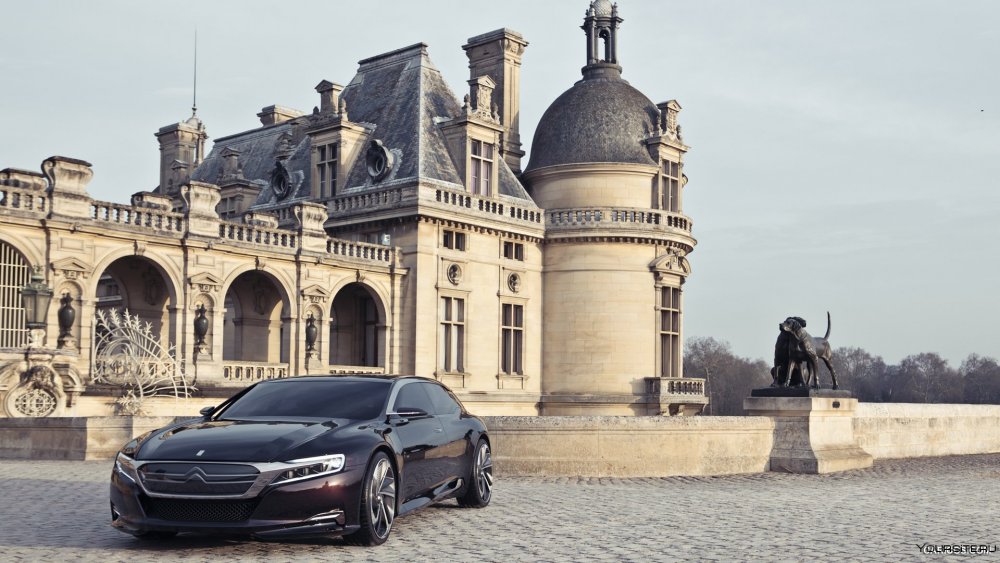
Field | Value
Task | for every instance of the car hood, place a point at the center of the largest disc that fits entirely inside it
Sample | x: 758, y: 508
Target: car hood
x: 233, y: 440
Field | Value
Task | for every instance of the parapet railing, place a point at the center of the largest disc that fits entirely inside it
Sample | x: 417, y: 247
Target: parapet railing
x: 27, y: 200
x: 280, y: 239
x: 365, y: 200
x: 257, y: 235
x: 682, y: 386
x: 253, y: 371
x: 361, y: 250
x: 153, y: 219
x: 610, y: 216
x: 490, y: 206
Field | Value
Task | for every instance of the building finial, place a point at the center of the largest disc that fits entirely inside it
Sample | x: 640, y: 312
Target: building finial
x: 194, y: 90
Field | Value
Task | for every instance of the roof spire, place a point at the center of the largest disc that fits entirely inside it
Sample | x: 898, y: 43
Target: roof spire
x: 600, y: 23
x: 194, y: 93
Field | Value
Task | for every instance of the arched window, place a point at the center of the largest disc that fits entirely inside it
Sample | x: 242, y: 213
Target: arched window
x: 14, y: 274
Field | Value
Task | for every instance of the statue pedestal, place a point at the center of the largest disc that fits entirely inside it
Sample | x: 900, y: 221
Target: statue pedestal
x: 812, y: 433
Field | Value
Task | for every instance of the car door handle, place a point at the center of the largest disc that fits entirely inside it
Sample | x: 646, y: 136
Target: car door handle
x: 439, y: 429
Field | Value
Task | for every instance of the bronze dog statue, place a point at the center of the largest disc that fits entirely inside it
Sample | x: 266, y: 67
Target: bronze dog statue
x: 782, y: 376
x: 806, y: 349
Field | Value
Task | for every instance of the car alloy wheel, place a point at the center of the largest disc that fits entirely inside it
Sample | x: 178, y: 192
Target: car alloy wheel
x: 480, y: 490
x: 382, y: 498
x: 378, y: 503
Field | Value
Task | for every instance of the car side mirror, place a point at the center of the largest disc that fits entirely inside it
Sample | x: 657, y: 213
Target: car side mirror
x: 207, y: 411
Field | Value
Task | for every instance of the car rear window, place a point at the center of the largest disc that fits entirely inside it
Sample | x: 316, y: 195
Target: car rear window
x: 361, y: 400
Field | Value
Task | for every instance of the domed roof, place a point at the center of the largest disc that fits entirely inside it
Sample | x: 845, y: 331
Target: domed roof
x: 599, y: 119
x: 602, y: 8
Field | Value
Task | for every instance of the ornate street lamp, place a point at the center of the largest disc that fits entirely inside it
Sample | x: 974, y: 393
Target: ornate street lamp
x: 35, y: 298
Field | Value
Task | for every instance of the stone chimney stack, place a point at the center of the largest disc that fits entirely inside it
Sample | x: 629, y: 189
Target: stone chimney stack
x: 497, y: 54
x: 273, y: 115
x: 329, y: 96
x: 182, y: 148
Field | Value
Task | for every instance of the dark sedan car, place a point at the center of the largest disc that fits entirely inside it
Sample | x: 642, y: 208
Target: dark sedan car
x: 305, y: 456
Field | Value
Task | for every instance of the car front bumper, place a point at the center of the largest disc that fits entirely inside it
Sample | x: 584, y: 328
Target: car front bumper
x: 321, y: 506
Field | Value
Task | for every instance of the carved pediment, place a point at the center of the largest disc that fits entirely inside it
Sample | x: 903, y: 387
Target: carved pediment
x: 205, y: 282
x: 671, y: 262
x: 315, y: 294
x: 71, y: 268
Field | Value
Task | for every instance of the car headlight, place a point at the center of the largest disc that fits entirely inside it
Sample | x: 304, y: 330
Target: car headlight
x: 307, y: 468
x: 125, y: 466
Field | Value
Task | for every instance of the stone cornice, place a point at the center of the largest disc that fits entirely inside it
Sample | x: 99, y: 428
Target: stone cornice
x: 587, y: 168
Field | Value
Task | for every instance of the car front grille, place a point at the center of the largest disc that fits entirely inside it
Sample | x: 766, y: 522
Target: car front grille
x: 198, y: 479
x: 180, y: 510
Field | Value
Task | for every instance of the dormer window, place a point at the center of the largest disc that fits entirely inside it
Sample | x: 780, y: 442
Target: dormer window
x: 326, y: 169
x: 482, y: 168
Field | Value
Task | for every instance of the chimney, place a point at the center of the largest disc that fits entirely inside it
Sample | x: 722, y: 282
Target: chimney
x: 329, y: 96
x: 497, y: 54
x: 272, y: 115
x: 184, y: 143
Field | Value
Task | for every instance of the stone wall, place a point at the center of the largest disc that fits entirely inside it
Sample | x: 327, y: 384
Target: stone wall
x: 625, y: 446
x: 897, y: 430
x: 71, y: 438
x: 594, y: 446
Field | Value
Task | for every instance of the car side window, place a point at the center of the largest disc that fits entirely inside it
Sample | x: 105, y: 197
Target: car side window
x: 413, y: 396
x: 442, y: 400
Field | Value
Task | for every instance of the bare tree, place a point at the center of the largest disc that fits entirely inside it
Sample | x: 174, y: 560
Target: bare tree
x: 860, y: 372
x: 982, y: 379
x: 728, y: 377
x: 925, y: 378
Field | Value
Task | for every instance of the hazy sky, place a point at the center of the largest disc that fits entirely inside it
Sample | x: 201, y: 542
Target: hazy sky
x: 845, y: 154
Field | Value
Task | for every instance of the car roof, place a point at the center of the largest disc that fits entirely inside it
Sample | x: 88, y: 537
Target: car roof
x: 349, y: 377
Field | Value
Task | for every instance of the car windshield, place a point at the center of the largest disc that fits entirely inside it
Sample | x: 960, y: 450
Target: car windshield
x: 316, y: 399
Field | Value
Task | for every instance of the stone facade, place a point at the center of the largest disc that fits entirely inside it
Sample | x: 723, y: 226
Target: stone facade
x: 391, y: 229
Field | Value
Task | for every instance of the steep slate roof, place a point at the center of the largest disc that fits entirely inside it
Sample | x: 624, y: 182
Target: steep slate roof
x: 401, y: 98
x: 258, y: 150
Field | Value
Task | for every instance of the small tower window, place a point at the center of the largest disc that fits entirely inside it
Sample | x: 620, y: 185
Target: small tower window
x: 454, y: 240
x: 670, y: 332
x: 326, y: 169
x: 482, y: 168
x: 513, y: 250
x: 512, y: 340
x: 451, y: 336
x: 670, y: 177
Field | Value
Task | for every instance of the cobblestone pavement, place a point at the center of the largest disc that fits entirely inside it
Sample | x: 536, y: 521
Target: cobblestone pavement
x: 58, y: 511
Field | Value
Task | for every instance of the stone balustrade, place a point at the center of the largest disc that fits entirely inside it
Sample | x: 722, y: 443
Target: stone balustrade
x: 368, y: 200
x: 487, y: 205
x: 253, y: 371
x: 131, y: 217
x: 683, y: 386
x: 615, y: 217
x: 23, y: 199
x: 258, y: 236
x: 360, y: 250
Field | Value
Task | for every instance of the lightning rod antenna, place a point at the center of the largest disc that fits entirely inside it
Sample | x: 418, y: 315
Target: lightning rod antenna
x: 194, y: 94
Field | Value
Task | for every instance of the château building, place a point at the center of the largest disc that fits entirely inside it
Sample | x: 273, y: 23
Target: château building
x: 396, y: 227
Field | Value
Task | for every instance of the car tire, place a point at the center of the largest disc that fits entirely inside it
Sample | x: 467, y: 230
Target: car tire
x: 378, y: 503
x: 480, y: 488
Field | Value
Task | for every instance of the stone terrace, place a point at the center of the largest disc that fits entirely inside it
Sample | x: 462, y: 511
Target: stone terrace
x: 59, y: 511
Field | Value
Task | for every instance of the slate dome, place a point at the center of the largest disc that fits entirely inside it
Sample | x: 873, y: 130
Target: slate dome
x: 597, y: 120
